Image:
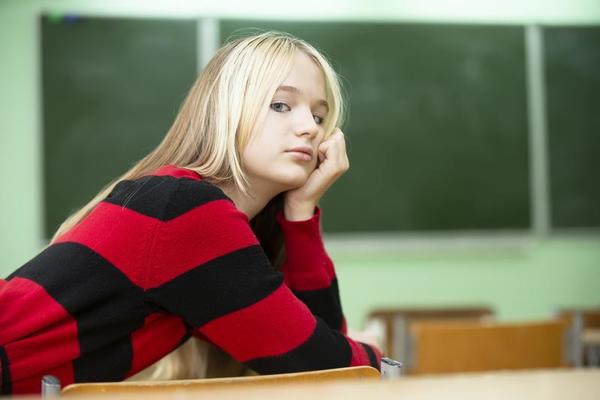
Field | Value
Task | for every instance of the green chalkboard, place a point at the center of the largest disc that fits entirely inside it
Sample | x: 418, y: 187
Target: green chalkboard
x: 437, y: 135
x: 572, y: 59
x: 111, y: 89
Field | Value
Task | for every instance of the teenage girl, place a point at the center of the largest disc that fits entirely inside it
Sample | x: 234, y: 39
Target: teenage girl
x: 214, y: 234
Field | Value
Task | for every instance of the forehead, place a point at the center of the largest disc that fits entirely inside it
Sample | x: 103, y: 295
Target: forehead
x: 307, y: 76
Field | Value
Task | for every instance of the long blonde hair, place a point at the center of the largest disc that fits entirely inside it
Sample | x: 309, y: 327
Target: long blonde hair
x: 223, y: 110
x: 225, y: 106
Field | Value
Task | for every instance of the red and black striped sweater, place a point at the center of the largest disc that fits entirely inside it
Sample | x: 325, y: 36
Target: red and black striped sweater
x: 163, y: 257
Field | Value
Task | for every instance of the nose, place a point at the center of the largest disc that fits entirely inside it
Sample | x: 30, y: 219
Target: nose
x: 306, y: 125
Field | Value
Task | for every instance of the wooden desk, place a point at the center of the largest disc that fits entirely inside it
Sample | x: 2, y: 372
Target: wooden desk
x: 527, y: 385
x: 580, y: 384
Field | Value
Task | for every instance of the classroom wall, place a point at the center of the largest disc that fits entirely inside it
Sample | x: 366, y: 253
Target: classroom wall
x: 520, y: 282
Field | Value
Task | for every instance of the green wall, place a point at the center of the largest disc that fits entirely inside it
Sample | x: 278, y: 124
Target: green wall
x: 527, y: 281
x: 521, y: 282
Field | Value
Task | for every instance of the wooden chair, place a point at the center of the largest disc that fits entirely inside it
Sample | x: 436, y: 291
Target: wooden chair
x: 470, y: 346
x: 393, y: 325
x: 583, y: 336
x: 330, y: 375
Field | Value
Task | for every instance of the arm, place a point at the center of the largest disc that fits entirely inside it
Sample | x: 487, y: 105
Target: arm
x: 208, y: 268
x: 308, y: 270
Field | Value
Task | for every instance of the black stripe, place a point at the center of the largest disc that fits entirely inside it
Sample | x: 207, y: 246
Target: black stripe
x: 191, y: 194
x: 324, y: 303
x: 148, y: 195
x: 371, y: 354
x: 106, y: 306
x: 5, y: 382
x: 163, y: 197
x: 218, y: 287
x: 189, y: 330
x: 105, y: 364
x: 325, y: 349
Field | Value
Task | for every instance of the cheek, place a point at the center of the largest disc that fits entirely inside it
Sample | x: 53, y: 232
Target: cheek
x: 250, y: 156
x: 257, y: 159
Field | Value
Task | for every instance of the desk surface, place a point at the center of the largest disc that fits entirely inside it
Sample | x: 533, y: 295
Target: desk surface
x: 581, y: 384
x: 513, y: 385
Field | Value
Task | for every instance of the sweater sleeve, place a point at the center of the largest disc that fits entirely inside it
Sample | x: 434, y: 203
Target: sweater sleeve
x: 207, y: 267
x: 308, y: 269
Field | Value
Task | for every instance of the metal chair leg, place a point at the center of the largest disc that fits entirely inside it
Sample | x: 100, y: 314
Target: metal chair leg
x: 50, y: 387
x: 390, y: 369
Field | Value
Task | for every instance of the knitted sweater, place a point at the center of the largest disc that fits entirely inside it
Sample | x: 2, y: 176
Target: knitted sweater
x: 161, y: 258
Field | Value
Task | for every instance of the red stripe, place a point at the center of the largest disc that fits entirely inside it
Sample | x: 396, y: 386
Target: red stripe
x: 307, y: 267
x: 159, y: 336
x: 120, y: 235
x: 273, y: 326
x: 27, y: 309
x: 307, y: 272
x: 43, y: 350
x: 177, y: 172
x: 127, y: 239
x: 198, y: 236
x: 38, y: 334
x: 64, y: 373
x: 359, y: 355
x: 41, y: 335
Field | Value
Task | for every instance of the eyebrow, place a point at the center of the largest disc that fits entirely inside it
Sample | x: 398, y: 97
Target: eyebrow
x: 295, y: 90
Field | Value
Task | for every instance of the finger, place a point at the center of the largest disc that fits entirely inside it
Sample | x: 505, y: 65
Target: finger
x: 340, y: 138
x: 322, y: 151
x: 335, y: 145
x: 342, y: 153
x: 334, y: 151
x: 337, y: 132
x: 321, y: 156
x: 339, y: 143
x: 325, y: 149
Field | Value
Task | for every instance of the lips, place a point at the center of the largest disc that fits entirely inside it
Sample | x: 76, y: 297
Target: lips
x: 302, y: 149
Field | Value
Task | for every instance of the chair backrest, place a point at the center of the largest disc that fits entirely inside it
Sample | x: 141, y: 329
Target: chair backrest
x: 394, y: 324
x: 470, y: 346
x: 584, y: 331
x: 351, y: 373
x: 590, y: 317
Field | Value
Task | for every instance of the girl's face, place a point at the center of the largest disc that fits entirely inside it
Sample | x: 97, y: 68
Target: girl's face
x: 294, y: 120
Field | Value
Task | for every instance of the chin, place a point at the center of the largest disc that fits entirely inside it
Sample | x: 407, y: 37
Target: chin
x: 293, y: 181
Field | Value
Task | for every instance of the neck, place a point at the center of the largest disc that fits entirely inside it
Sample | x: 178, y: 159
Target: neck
x: 252, y: 203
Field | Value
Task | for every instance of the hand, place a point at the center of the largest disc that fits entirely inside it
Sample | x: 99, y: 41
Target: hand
x: 299, y: 204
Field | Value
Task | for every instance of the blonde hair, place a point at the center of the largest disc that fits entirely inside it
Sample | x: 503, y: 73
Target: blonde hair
x: 218, y: 117
x: 224, y: 109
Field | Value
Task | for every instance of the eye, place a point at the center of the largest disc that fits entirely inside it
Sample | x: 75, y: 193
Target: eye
x: 278, y: 106
x: 318, y: 120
